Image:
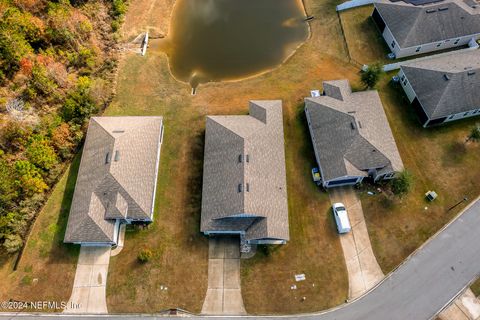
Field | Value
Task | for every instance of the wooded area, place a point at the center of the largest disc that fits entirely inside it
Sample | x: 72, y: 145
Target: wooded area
x: 57, y: 63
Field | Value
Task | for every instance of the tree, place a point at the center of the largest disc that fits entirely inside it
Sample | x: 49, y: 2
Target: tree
x: 8, y: 190
x: 475, y: 133
x: 40, y: 153
x: 372, y: 75
x: 79, y: 105
x: 28, y: 178
x: 62, y: 140
x: 144, y: 255
x: 402, y: 183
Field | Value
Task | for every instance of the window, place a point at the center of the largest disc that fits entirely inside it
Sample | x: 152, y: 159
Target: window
x: 418, y: 49
x: 392, y: 44
x: 450, y: 117
x: 465, y: 114
x: 439, y: 44
x: 402, y: 78
x: 456, y: 41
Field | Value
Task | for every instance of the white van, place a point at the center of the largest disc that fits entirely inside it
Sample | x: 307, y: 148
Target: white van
x: 341, y: 218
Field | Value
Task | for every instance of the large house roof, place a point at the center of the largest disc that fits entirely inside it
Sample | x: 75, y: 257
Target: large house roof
x: 350, y: 132
x: 116, y: 178
x: 244, y: 178
x: 416, y: 25
x: 446, y: 85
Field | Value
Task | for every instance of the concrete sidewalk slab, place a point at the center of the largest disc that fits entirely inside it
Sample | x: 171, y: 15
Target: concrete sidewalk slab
x: 465, y: 307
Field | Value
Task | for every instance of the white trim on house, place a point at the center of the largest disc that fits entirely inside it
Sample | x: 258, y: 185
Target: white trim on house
x: 157, y: 164
x: 400, y: 52
x: 408, y: 89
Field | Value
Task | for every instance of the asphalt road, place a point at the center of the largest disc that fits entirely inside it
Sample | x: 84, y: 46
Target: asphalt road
x: 422, y: 286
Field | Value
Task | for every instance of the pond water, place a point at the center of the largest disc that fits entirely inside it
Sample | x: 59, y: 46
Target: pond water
x: 217, y: 40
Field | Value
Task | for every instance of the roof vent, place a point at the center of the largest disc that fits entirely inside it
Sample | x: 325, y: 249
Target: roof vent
x: 240, y: 158
x: 471, y: 73
x: 446, y: 77
x: 247, y: 158
x: 352, y: 124
x: 108, y: 157
x: 248, y: 187
x: 117, y: 156
x: 359, y: 124
x: 443, y: 9
x: 431, y: 10
x: 118, y: 131
x: 240, y: 187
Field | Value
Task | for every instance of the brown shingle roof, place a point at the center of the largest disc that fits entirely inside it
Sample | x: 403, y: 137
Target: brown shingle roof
x: 244, y: 173
x: 116, y: 178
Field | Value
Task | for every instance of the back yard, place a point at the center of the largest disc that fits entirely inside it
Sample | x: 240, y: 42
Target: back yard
x: 438, y: 159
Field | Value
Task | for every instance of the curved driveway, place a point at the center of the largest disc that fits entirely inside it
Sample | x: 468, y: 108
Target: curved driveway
x: 417, y: 290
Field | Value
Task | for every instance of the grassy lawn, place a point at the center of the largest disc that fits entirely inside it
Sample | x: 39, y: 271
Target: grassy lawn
x: 364, y: 40
x: 145, y: 87
x: 47, y: 267
x: 476, y: 287
x: 439, y: 160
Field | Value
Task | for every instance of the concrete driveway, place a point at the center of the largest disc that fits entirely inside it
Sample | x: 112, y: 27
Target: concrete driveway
x: 224, y: 295
x: 465, y: 307
x: 362, y: 266
x: 89, y: 287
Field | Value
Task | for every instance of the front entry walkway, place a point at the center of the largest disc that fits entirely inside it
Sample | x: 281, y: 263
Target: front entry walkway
x: 362, y: 266
x: 224, y: 295
x: 89, y: 287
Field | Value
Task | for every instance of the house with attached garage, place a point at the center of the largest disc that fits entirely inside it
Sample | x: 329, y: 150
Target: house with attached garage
x: 244, y: 188
x: 351, y: 137
x: 443, y: 89
x: 116, y: 180
x: 415, y: 29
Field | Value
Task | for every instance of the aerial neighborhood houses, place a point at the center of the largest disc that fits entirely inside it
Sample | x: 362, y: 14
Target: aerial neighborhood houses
x: 351, y: 136
x: 244, y: 179
x: 443, y: 89
x: 116, y: 180
x: 411, y: 29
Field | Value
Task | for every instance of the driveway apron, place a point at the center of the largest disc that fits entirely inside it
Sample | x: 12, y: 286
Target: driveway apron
x: 362, y: 266
x: 89, y: 287
x: 224, y: 295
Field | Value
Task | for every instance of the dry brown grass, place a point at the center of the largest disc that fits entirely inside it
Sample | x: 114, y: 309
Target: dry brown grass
x: 439, y: 160
x: 47, y: 268
x: 146, y: 87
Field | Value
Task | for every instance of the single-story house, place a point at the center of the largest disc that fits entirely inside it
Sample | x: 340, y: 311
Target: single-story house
x: 116, y: 180
x: 244, y: 179
x: 351, y: 136
x: 409, y: 30
x: 443, y: 89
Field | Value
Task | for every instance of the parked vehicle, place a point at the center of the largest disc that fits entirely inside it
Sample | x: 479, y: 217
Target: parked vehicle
x: 341, y: 218
x: 316, y: 176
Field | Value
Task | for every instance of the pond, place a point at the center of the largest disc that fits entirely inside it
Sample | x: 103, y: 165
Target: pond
x: 219, y: 40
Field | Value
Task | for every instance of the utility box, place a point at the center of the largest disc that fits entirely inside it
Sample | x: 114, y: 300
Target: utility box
x: 431, y: 195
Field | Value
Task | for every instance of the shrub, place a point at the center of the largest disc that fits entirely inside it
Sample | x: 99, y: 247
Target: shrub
x: 28, y: 178
x: 402, y: 184
x: 372, y: 75
x: 118, y: 7
x: 8, y: 190
x: 40, y: 153
x: 41, y: 81
x: 475, y: 133
x: 144, y: 255
x: 13, y: 243
x: 79, y: 105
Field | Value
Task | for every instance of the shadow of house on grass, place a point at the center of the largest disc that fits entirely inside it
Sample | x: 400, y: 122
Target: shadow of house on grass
x: 63, y: 252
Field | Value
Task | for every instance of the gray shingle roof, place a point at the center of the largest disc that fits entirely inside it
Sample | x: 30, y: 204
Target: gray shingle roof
x: 261, y: 200
x: 416, y: 25
x: 350, y: 132
x: 116, y: 178
x: 448, y: 84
